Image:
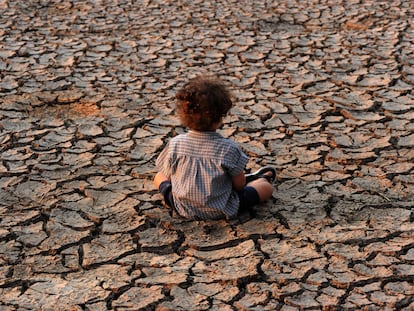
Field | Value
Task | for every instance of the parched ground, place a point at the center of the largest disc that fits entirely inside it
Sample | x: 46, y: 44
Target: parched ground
x: 324, y: 93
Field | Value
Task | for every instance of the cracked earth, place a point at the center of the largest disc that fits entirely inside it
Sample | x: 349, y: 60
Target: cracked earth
x: 324, y: 93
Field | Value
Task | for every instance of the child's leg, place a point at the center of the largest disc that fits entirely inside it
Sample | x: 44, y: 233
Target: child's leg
x: 256, y: 191
x: 263, y: 187
x: 163, y: 184
x: 159, y: 179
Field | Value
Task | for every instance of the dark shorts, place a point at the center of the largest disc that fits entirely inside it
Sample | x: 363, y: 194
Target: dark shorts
x: 248, y: 197
x: 166, y: 191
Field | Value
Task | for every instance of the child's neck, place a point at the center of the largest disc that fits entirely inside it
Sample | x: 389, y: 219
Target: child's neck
x: 216, y: 125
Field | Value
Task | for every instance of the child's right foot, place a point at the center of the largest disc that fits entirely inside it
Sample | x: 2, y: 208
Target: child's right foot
x: 267, y: 172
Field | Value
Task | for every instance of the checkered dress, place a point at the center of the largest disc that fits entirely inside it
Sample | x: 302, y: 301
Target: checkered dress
x: 200, y: 166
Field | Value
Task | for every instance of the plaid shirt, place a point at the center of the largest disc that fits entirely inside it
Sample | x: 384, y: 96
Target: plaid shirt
x: 200, y: 166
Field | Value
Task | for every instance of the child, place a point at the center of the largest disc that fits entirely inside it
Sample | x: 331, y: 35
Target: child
x: 201, y: 173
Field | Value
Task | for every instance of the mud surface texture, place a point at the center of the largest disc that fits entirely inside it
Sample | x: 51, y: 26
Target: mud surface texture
x: 324, y: 93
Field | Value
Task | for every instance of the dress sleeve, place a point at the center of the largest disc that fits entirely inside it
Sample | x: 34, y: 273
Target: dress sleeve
x: 237, y: 161
x: 163, y: 162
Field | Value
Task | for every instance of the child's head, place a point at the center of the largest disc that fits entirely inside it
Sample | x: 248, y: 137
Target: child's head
x: 202, y: 103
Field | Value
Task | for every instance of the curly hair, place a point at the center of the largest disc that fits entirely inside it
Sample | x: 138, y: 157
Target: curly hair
x: 202, y: 102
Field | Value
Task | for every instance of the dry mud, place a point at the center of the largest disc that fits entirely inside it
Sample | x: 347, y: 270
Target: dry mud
x: 324, y: 93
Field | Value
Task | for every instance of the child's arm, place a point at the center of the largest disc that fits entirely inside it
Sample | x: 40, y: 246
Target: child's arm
x: 239, y: 181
